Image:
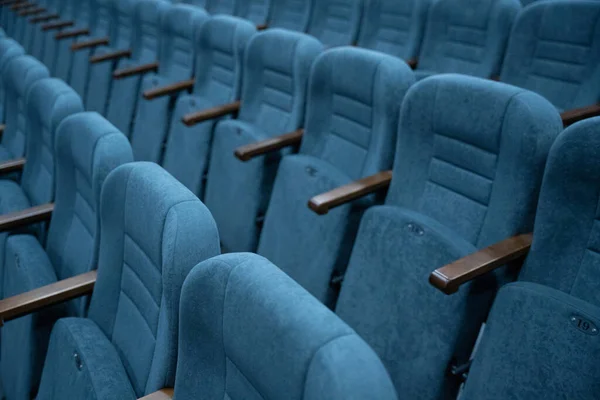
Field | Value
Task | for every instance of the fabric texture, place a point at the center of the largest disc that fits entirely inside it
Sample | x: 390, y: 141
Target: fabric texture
x: 255, y: 11
x: 176, y: 63
x: 249, y: 331
x: 291, y: 14
x: 394, y: 27
x: 336, y: 22
x: 141, y: 270
x: 273, y: 97
x: 554, y: 50
x: 220, y: 46
x: 467, y: 36
x: 476, y: 152
x: 350, y: 130
x: 9, y: 49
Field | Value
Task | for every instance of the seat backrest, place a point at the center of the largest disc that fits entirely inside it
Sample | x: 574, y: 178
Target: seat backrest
x: 351, y: 121
x: 147, y: 29
x: 554, y: 50
x: 221, y: 6
x: 290, y: 14
x: 69, y: 11
x: 49, y: 102
x: 352, y: 109
x: 18, y: 77
x: 467, y: 36
x: 276, y: 71
x: 178, y: 30
x: 394, y: 27
x: 469, y: 163
x: 9, y: 49
x: 336, y: 22
x: 153, y: 232
x: 88, y: 148
x: 101, y: 15
x: 238, y: 312
x: 122, y: 23
x: 564, y: 253
x: 256, y: 11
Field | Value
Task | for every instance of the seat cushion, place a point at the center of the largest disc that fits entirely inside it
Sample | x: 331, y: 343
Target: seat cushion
x: 237, y: 192
x: 82, y: 364
x: 25, y: 340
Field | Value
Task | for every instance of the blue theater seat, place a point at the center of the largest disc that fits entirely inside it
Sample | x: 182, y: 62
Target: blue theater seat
x: 220, y: 47
x: 9, y: 49
x: 275, y: 77
x: 248, y: 331
x: 88, y: 148
x: 176, y: 63
x: 466, y: 175
x: 350, y: 130
x: 153, y: 232
x: 336, y: 22
x: 290, y: 14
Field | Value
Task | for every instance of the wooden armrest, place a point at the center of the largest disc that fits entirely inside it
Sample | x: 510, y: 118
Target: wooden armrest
x: 169, y: 90
x: 2, y: 128
x: 449, y: 278
x: 137, y: 70
x: 71, y: 34
x: 8, y: 2
x: 21, y: 5
x: 22, y: 218
x: 46, y: 296
x: 495, y: 78
x: 194, y: 118
x: 412, y: 63
x: 34, y: 11
x: 321, y: 204
x: 163, y: 394
x: 9, y: 166
x: 90, y: 43
x: 57, y: 25
x: 115, y: 55
x: 261, y: 27
x: 44, y: 18
x: 249, y: 151
x: 578, y: 114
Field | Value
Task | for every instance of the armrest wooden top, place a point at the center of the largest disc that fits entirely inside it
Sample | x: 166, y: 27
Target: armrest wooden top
x: 115, y: 55
x: 135, y: 70
x: 90, y: 43
x: 8, y: 2
x: 450, y: 277
x: 168, y: 90
x: 571, y: 116
x: 261, y: 27
x: 46, y: 296
x: 412, y: 63
x: 194, y: 118
x: 18, y: 219
x: 21, y: 5
x: 2, y: 128
x: 321, y: 204
x: 57, y: 25
x: 32, y: 11
x: 71, y: 34
x: 249, y: 151
x: 163, y: 394
x: 44, y: 18
x: 12, y: 165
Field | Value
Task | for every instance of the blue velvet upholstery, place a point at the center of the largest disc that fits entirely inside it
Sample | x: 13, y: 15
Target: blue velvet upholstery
x: 248, y: 331
x: 18, y: 76
x: 255, y: 11
x: 276, y: 71
x: 145, y: 41
x: 48, y: 50
x: 554, y: 50
x: 394, y: 27
x: 176, y: 58
x: 350, y: 130
x: 469, y: 163
x: 220, y: 47
x: 467, y: 37
x: 39, y: 37
x: 87, y: 149
x: 153, y: 232
x: 83, y: 19
x: 122, y: 25
x: 221, y: 6
x: 9, y: 49
x: 336, y: 22
x: 539, y: 343
x: 100, y: 19
x: 290, y: 14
